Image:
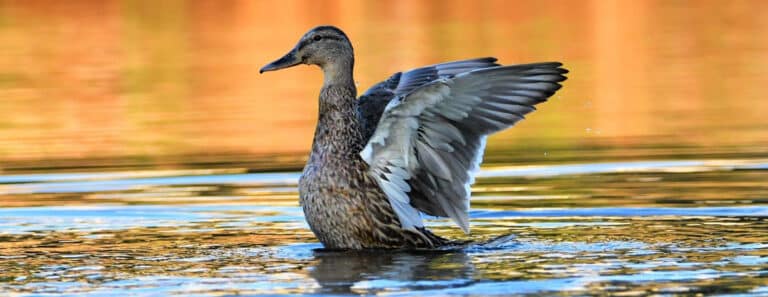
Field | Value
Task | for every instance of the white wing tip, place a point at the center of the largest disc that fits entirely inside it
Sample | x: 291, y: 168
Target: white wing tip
x: 367, y: 154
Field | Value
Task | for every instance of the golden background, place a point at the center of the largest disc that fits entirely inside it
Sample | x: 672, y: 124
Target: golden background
x: 174, y: 82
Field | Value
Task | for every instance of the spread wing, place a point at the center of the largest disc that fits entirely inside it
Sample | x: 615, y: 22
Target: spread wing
x: 371, y: 104
x: 429, y: 142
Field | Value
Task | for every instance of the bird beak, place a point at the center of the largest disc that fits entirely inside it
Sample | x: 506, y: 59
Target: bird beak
x: 290, y: 59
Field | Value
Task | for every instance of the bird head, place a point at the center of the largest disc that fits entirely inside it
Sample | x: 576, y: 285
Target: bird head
x: 325, y: 46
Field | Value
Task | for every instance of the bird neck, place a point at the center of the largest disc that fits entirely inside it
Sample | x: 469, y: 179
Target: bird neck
x: 339, y: 71
x: 337, y: 135
x: 338, y: 97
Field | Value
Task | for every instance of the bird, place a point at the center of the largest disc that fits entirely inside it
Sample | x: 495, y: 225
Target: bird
x: 408, y: 147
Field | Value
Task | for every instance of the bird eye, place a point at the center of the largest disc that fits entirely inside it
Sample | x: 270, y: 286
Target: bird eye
x: 317, y: 38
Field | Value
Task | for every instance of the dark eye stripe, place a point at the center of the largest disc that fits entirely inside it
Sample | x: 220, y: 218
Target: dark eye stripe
x: 333, y: 37
x: 306, y: 42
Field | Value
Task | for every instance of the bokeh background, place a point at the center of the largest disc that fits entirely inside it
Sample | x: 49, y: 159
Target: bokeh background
x: 124, y: 84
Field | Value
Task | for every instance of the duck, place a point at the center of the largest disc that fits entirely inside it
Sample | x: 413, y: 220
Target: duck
x: 408, y: 147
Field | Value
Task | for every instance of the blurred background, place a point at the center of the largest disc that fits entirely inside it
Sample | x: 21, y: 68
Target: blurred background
x: 124, y: 84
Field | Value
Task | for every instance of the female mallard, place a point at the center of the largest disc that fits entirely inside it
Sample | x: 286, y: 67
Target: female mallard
x: 409, y: 145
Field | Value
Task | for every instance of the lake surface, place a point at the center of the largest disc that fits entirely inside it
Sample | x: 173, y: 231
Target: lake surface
x: 633, y: 228
x: 142, y: 154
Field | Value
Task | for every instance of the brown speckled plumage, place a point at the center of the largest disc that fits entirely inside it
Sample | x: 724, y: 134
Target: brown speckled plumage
x: 344, y: 206
x: 340, y: 192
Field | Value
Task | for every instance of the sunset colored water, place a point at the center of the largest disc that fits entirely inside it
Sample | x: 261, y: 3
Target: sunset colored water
x: 142, y: 153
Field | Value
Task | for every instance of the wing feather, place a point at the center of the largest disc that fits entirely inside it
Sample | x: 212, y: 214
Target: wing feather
x: 372, y: 103
x: 428, y: 143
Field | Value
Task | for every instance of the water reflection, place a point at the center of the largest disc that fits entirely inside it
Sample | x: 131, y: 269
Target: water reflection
x: 621, y: 255
x: 371, y: 272
x: 630, y: 231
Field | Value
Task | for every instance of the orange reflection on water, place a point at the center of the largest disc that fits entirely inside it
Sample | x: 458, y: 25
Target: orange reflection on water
x: 111, y: 79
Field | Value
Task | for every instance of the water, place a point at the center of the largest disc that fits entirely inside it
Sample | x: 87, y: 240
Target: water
x: 142, y: 154
x: 623, y: 228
